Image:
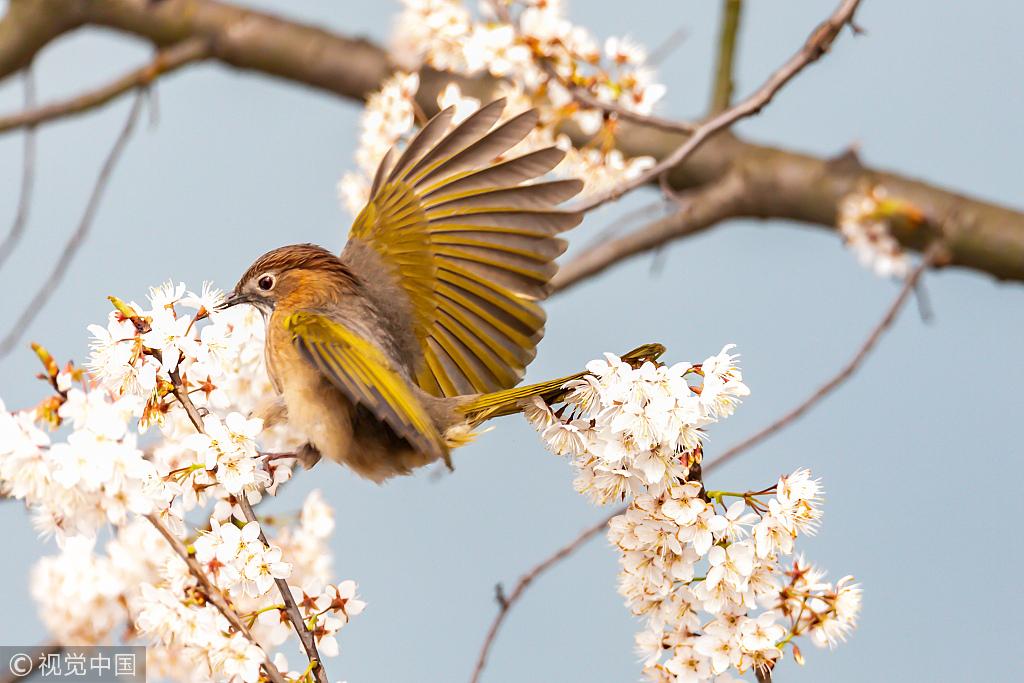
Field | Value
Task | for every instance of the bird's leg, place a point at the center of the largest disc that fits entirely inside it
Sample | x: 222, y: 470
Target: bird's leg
x: 308, y: 455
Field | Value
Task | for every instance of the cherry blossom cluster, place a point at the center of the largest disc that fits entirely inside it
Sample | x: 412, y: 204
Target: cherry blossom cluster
x: 542, y: 60
x: 108, y: 472
x: 866, y: 219
x: 711, y: 573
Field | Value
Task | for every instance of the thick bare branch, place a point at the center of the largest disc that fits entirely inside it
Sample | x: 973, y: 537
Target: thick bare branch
x: 247, y: 39
x: 979, y: 234
x: 817, y: 44
x: 30, y: 25
x: 165, y: 61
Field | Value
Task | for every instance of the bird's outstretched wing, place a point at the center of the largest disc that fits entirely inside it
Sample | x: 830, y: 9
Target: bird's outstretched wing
x: 362, y: 372
x: 470, y: 245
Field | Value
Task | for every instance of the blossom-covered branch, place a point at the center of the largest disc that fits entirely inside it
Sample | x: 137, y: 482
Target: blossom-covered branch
x: 203, y: 596
x: 291, y: 610
x: 213, y: 594
x: 636, y: 434
x: 933, y: 256
x: 817, y: 44
x: 809, y: 189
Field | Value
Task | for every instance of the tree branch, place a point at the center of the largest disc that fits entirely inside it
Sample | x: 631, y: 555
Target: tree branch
x: 817, y: 44
x: 587, y: 100
x: 724, y: 84
x: 506, y: 602
x: 28, y: 172
x: 213, y: 594
x: 932, y: 257
x: 77, y: 238
x: 30, y: 25
x: 306, y: 638
x: 979, y: 234
x: 174, y: 57
x: 704, y: 207
x: 935, y: 255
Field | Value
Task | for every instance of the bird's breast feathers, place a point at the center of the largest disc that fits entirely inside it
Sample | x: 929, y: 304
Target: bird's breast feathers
x: 316, y: 411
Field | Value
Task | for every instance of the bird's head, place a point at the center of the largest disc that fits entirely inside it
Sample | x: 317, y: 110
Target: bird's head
x: 307, y: 270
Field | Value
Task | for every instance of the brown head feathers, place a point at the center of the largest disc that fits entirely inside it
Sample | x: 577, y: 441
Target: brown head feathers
x: 301, y: 256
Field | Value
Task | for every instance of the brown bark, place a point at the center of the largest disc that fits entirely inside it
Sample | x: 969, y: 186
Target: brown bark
x: 784, y: 184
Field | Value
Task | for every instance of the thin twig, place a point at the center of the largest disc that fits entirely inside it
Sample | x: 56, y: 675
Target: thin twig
x: 165, y: 61
x: 28, y: 174
x: 291, y: 607
x: 587, y: 100
x: 844, y: 373
x: 504, y: 606
x: 616, y: 226
x: 507, y: 600
x: 72, y: 246
x: 213, y: 594
x: 724, y: 83
x: 817, y: 44
x: 703, y: 207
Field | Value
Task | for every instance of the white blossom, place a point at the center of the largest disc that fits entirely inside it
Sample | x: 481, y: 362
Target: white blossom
x: 695, y: 567
x: 99, y: 473
x: 864, y: 222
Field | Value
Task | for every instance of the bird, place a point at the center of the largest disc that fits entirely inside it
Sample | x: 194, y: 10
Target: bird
x: 390, y: 354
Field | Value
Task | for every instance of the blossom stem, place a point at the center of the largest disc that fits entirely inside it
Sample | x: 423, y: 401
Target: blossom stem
x: 309, y: 669
x: 291, y: 608
x: 214, y: 595
x: 260, y: 611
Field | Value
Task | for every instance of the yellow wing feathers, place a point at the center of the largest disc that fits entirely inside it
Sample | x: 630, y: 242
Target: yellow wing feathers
x: 363, y: 373
x: 510, y: 401
x: 471, y: 246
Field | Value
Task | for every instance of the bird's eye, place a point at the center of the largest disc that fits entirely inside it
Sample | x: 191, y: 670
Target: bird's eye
x: 266, y: 283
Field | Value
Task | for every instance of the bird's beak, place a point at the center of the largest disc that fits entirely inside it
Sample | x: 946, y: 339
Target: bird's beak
x: 233, y: 299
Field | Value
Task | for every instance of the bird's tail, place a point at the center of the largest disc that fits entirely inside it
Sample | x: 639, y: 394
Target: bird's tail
x: 510, y: 401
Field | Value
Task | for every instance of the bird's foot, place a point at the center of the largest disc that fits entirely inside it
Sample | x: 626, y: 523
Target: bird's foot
x: 308, y: 455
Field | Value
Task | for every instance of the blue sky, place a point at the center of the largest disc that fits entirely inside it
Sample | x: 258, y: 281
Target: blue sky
x: 919, y: 452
